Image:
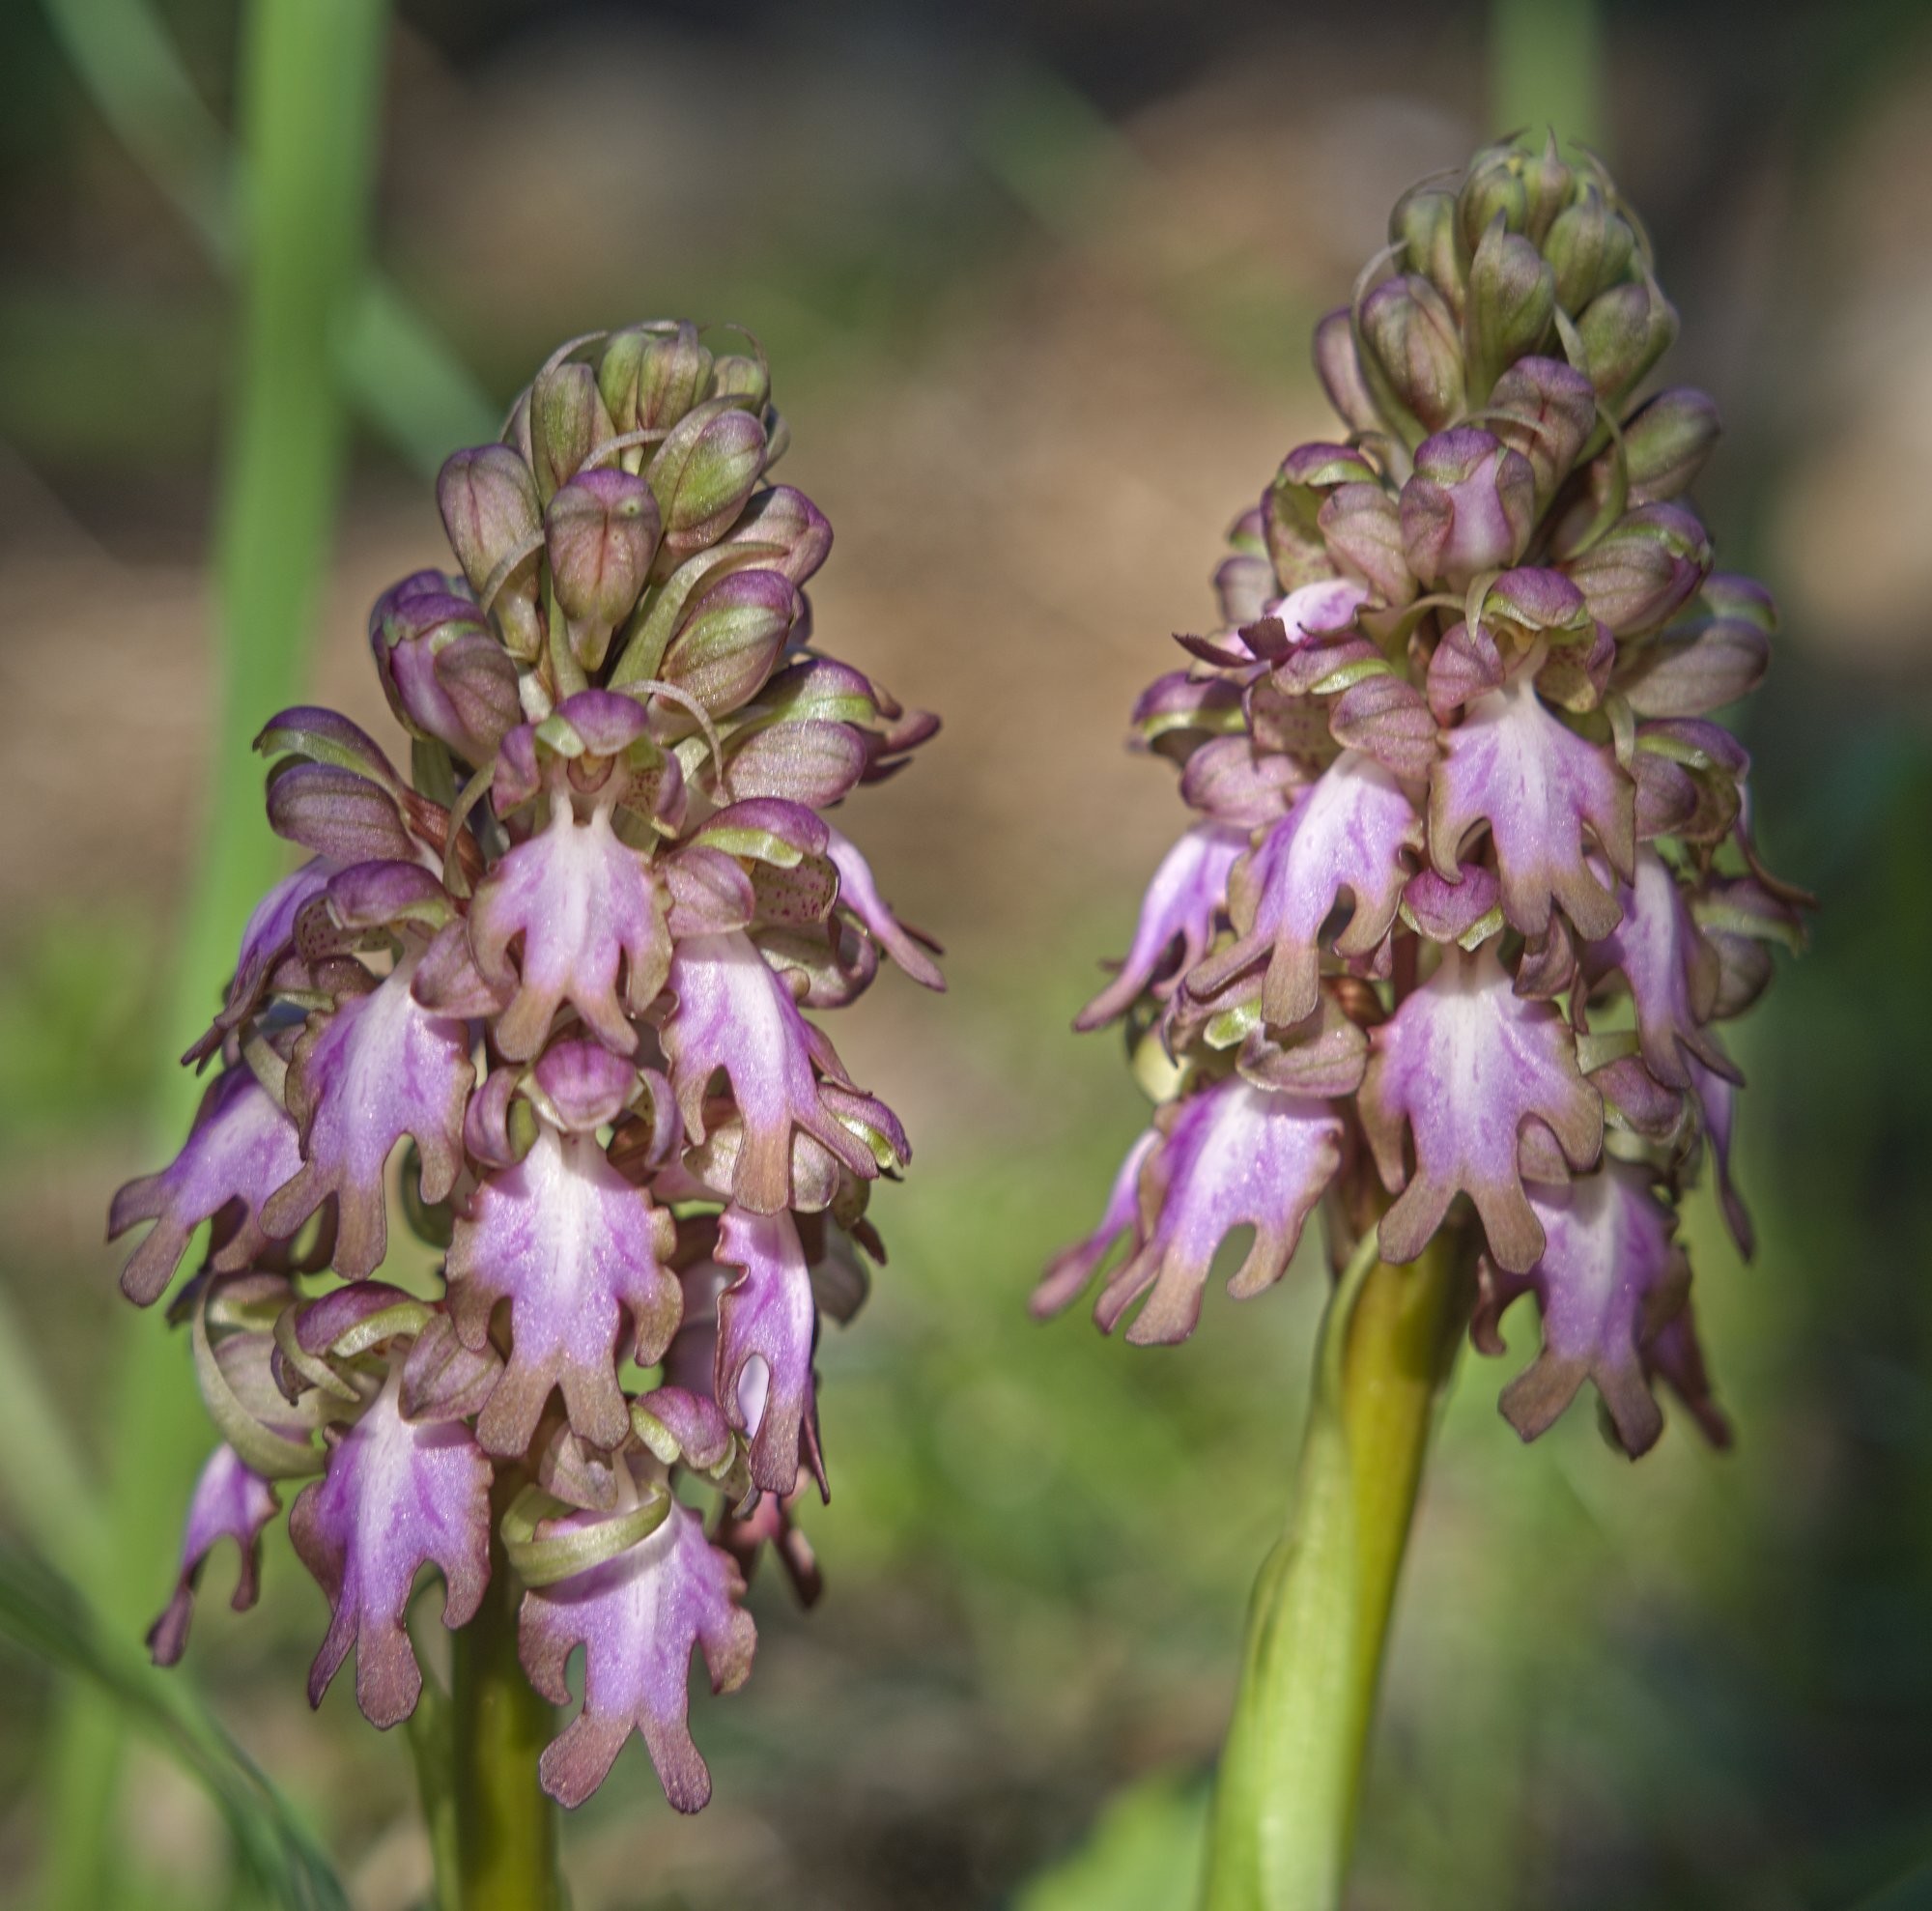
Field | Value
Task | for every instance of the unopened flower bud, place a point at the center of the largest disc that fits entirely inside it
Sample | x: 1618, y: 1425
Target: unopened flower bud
x: 1362, y: 532
x: 1642, y: 569
x: 1550, y: 185
x: 568, y: 421
x: 1413, y: 346
x: 1339, y: 367
x: 1492, y: 189
x: 1624, y: 332
x: 488, y: 505
x: 1589, y: 247
x: 703, y: 472
x: 1424, y: 224
x: 1545, y: 409
x: 1511, y: 295
x: 1469, y: 507
x: 601, y: 532
x: 441, y: 666
x: 1665, y: 444
x: 652, y: 375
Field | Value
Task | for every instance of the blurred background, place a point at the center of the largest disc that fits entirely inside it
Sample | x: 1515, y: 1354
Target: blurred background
x: 1036, y: 282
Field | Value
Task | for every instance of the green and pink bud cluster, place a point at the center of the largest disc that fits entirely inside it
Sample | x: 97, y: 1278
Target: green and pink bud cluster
x: 1471, y: 884
x: 559, y: 972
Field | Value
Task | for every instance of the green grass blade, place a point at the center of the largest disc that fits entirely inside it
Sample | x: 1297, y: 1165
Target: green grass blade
x: 44, y: 1616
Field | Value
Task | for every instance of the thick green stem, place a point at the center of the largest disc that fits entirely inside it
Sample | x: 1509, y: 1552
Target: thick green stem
x: 1318, y: 1624
x: 493, y: 1830
x: 311, y: 77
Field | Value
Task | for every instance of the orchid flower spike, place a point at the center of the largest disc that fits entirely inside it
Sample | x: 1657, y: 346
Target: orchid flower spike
x: 1469, y: 886
x: 564, y: 967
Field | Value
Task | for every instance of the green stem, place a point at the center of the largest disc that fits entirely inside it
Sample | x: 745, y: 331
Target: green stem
x: 491, y: 1829
x: 1290, y: 1774
x: 310, y: 80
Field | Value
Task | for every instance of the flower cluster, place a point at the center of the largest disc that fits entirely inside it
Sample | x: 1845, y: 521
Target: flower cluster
x: 1472, y: 881
x: 561, y: 969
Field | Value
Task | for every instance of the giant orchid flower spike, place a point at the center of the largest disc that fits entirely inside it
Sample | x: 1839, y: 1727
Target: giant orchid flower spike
x: 1470, y: 884
x: 561, y: 970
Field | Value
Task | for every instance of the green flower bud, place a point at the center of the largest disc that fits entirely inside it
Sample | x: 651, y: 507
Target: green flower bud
x: 568, y: 421
x: 1551, y: 186
x: 1512, y: 297
x: 1624, y: 331
x: 1424, y: 225
x: 488, y: 505
x: 702, y: 474
x: 1413, y: 354
x: 602, y: 532
x: 1589, y: 247
x: 652, y: 375
x: 1492, y: 189
x: 1665, y: 444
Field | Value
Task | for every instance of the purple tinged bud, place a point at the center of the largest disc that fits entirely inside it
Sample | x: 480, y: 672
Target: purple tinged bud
x: 1545, y: 409
x: 230, y: 1502
x: 396, y: 1496
x: 580, y: 1086
x: 1535, y: 599
x: 1386, y: 718
x: 1666, y: 443
x: 1362, y: 529
x: 601, y: 532
x: 1412, y: 345
x: 1589, y: 247
x: 786, y: 528
x: 1643, y: 569
x: 1467, y: 509
x: 1339, y: 366
x: 1624, y: 331
x: 490, y: 510
x: 702, y: 476
x: 638, y: 1617
x: 1511, y: 301
x: 1465, y: 1063
x: 1469, y: 506
x: 733, y: 639
x: 1465, y: 664
x: 337, y: 814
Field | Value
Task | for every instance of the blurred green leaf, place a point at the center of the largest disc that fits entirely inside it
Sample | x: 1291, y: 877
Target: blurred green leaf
x: 48, y: 1618
x: 1145, y: 1854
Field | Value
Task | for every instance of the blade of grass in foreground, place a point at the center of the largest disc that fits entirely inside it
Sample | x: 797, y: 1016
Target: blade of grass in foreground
x: 399, y: 376
x: 46, y: 1618
x: 311, y: 77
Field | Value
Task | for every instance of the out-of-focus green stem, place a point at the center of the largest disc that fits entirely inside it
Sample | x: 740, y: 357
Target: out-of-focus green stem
x: 394, y: 370
x: 311, y: 80
x: 499, y: 1849
x: 1545, y: 63
x: 1290, y: 1774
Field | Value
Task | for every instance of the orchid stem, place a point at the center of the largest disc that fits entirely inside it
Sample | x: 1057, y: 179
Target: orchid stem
x: 493, y: 1830
x: 1290, y: 1775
